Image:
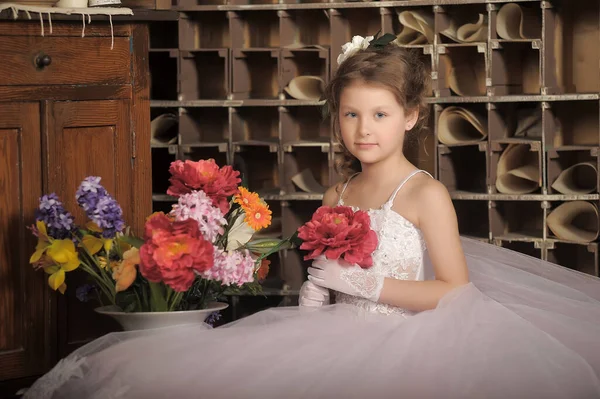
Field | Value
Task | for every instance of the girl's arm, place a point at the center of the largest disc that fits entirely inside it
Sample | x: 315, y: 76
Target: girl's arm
x: 438, y: 224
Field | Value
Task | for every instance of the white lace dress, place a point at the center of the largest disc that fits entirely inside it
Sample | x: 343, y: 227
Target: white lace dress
x: 523, y: 328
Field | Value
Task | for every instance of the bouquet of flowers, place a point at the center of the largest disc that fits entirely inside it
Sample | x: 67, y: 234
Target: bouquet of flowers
x: 203, y: 248
x: 339, y: 233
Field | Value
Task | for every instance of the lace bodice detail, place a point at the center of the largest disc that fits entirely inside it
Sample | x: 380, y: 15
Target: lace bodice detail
x: 399, y: 254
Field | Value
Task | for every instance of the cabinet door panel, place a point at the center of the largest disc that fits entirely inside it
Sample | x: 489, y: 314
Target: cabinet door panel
x: 24, y: 334
x: 87, y: 138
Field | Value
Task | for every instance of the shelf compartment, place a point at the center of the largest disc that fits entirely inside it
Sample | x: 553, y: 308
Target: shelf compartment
x: 461, y: 124
x: 161, y: 161
x: 306, y: 170
x: 517, y: 220
x: 255, y: 74
x: 572, y: 54
x: 300, y: 28
x: 259, y: 167
x: 572, y: 123
x: 573, y: 171
x: 294, y: 269
x: 204, y: 74
x: 461, y: 70
x: 580, y: 257
x: 525, y: 247
x: 161, y: 35
x: 463, y: 168
x: 347, y: 23
x: 255, y: 125
x: 515, y: 68
x: 254, y: 29
x: 163, y: 127
x: 413, y: 26
x: 304, y: 125
x: 516, y: 22
x: 516, y: 168
x: 196, y: 152
x: 163, y: 74
x: 304, y: 62
x: 515, y: 121
x: 204, y: 125
x: 573, y: 221
x: 202, y: 30
x: 465, y: 23
x: 473, y: 218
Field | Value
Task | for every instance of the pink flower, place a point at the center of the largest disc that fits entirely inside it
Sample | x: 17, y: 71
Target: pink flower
x: 196, y: 205
x: 174, y: 252
x: 339, y: 232
x: 217, y: 183
x: 235, y: 267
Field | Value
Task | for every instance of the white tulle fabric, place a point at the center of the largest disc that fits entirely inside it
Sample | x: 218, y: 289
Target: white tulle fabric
x: 523, y: 328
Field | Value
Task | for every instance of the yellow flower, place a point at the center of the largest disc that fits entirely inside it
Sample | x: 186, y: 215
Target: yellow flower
x: 259, y: 216
x: 56, y: 257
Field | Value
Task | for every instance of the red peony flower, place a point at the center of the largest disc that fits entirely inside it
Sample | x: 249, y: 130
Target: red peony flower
x: 339, y: 232
x: 217, y: 183
x: 174, y: 251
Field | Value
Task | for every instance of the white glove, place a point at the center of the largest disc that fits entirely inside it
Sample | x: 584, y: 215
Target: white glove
x: 349, y: 279
x: 313, y: 296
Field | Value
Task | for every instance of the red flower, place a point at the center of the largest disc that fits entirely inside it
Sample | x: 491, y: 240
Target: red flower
x: 339, y: 232
x: 174, y: 251
x: 205, y: 175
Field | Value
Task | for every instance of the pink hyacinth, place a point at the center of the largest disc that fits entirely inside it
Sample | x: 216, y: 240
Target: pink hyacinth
x: 198, y: 206
x: 235, y: 267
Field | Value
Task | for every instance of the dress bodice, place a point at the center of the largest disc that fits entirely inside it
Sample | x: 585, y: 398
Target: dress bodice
x: 399, y: 253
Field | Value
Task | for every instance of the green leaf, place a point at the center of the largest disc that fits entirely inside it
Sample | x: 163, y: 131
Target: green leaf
x: 158, y: 301
x: 382, y: 41
x: 133, y: 241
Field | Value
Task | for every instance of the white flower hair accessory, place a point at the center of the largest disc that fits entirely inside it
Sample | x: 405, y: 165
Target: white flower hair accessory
x: 351, y: 48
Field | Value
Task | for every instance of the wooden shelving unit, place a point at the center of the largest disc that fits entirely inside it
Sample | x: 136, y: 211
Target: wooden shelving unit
x: 220, y: 68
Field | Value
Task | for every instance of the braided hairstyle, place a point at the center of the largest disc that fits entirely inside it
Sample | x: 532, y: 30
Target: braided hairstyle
x: 398, y: 69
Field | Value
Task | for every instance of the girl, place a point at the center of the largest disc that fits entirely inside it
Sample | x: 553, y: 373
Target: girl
x: 436, y: 316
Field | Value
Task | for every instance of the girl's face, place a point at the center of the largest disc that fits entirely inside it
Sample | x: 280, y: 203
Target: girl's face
x: 372, y: 122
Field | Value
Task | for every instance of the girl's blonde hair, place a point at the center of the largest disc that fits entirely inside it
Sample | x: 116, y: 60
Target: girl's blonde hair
x: 397, y: 69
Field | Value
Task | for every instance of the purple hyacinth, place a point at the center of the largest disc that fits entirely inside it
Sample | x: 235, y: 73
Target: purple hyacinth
x: 100, y: 207
x: 213, y: 318
x: 59, y: 223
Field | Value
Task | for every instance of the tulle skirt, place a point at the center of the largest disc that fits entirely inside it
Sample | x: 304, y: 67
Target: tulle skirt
x: 523, y: 328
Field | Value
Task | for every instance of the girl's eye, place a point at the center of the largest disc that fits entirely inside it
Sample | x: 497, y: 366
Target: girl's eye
x: 380, y: 114
x: 351, y: 114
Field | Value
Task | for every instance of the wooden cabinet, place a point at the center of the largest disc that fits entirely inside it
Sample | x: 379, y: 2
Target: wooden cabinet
x: 70, y: 107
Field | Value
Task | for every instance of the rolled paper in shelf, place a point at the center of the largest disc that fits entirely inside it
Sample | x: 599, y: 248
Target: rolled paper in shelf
x: 529, y: 124
x: 458, y: 125
x: 515, y: 22
x: 467, y: 32
x: 574, y: 221
x: 160, y: 127
x: 518, y: 170
x: 417, y: 28
x: 466, y: 77
x: 581, y: 178
x: 306, y: 88
x: 306, y: 182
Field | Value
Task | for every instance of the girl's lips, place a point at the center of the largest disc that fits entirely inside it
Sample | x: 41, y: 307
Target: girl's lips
x: 365, y: 145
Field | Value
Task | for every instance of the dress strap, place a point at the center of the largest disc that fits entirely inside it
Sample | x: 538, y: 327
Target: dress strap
x: 393, y: 196
x: 340, y: 200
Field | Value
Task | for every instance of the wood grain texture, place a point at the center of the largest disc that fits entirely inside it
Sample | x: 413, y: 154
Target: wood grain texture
x: 24, y: 347
x: 140, y: 126
x: 32, y: 28
x: 87, y: 60
x: 65, y: 92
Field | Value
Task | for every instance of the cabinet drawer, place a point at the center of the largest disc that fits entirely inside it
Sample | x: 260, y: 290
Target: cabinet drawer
x: 36, y: 60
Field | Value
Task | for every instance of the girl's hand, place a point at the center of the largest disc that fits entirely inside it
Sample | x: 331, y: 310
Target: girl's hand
x: 348, y: 279
x: 313, y: 296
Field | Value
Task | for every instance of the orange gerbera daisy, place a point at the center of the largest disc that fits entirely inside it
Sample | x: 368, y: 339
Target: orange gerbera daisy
x: 259, y: 216
x: 246, y: 199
